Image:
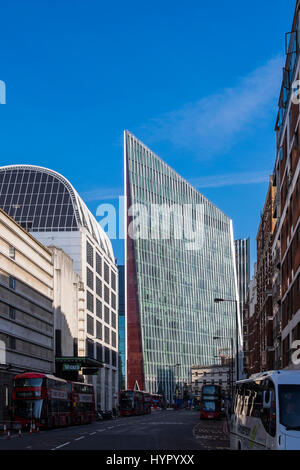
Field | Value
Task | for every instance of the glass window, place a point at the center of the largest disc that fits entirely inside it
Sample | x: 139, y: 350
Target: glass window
x: 12, y: 313
x: 98, y: 286
x: 106, y: 314
x: 12, y: 282
x: 99, y: 330
x: 12, y: 252
x: 98, y: 264
x: 90, y: 278
x: 90, y: 301
x: 98, y: 308
x: 289, y: 405
x: 106, y: 273
x: 106, y: 335
x: 90, y: 325
x: 89, y: 254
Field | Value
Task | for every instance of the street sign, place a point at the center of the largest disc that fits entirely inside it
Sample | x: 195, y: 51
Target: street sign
x: 71, y: 367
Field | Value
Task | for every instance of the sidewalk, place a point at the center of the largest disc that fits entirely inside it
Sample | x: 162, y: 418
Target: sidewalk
x: 212, y: 434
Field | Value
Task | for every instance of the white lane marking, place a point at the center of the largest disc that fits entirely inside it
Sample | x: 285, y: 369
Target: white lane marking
x: 111, y: 427
x: 62, y: 445
x: 92, y: 433
x: 78, y: 438
x: 101, y: 430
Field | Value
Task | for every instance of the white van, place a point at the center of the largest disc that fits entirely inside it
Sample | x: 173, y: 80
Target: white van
x: 266, y: 412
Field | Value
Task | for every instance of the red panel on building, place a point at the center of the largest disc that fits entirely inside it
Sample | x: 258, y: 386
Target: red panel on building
x: 135, y: 365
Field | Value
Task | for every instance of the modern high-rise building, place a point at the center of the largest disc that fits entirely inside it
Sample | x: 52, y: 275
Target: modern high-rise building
x: 242, y: 258
x: 173, y: 274
x: 286, y: 182
x: 122, y: 329
x: 46, y: 204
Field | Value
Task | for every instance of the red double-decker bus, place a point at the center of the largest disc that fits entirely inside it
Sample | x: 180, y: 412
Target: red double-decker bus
x: 83, y: 403
x: 156, y: 401
x: 211, y: 402
x: 134, y: 402
x: 48, y: 401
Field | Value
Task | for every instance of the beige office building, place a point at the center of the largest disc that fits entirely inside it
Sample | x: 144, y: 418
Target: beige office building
x: 26, y: 314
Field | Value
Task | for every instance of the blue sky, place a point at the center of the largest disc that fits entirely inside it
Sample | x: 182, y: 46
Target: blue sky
x: 197, y: 81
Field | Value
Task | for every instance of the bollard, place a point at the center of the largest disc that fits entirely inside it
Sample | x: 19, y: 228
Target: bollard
x: 8, y: 435
x: 4, y: 429
x: 20, y: 434
x: 30, y: 430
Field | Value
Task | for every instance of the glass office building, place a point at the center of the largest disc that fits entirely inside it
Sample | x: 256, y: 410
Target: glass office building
x: 242, y: 256
x: 170, y: 284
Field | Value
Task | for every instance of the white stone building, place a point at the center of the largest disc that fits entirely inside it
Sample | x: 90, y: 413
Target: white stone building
x: 47, y: 205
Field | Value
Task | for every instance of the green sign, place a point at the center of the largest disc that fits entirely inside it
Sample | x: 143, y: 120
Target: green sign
x: 71, y: 367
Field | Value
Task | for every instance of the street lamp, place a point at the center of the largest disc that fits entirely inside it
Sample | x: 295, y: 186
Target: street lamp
x: 232, y: 364
x: 219, y: 300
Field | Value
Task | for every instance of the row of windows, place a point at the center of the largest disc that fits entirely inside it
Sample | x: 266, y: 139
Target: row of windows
x: 22, y: 346
x: 90, y: 302
x: 108, y: 274
x: 98, y: 333
x: 25, y: 319
x: 100, y: 353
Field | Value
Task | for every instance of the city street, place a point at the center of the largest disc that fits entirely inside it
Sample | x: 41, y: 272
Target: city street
x: 161, y: 430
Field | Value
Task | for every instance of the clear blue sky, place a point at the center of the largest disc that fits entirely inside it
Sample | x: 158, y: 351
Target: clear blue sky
x: 197, y: 81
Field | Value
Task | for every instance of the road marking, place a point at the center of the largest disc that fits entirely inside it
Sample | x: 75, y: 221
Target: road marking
x: 92, y: 433
x: 62, y: 445
x: 78, y: 438
x: 101, y: 430
x: 110, y: 427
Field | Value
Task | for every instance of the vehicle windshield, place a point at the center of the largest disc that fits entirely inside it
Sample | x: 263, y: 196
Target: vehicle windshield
x: 289, y: 404
x: 28, y: 409
x: 126, y: 400
x: 126, y: 396
x: 26, y: 382
x: 209, y: 406
x: 209, y: 390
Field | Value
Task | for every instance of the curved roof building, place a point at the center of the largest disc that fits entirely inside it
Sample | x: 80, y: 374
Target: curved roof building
x: 42, y: 200
x: 45, y: 203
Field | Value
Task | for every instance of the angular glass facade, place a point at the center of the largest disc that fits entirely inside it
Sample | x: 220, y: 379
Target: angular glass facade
x: 172, y: 318
x: 242, y: 256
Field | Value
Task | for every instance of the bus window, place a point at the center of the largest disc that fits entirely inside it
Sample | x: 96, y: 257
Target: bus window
x: 289, y: 403
x: 268, y: 415
x: 247, y: 399
x: 257, y: 400
x: 241, y: 399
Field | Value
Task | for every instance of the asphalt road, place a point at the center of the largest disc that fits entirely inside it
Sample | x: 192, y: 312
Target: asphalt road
x: 161, y: 430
